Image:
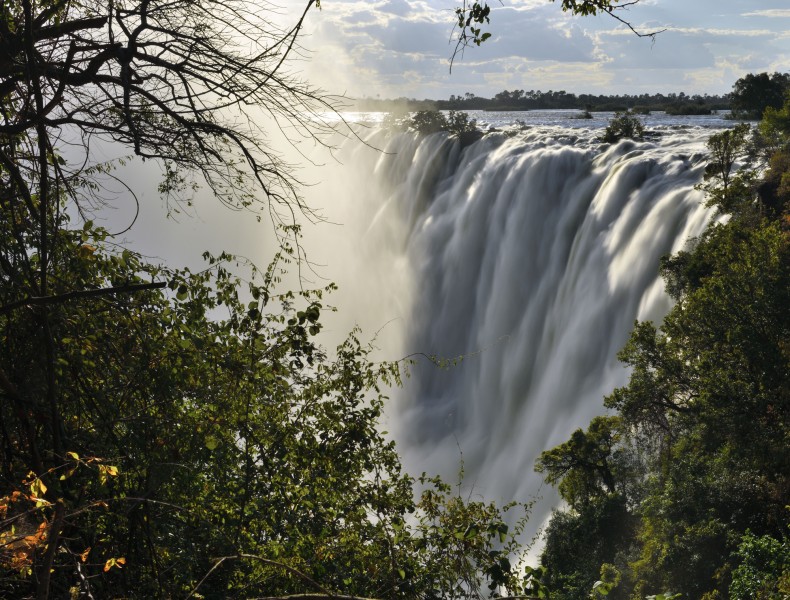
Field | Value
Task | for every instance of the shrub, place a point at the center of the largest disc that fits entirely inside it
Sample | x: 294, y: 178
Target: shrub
x: 623, y: 125
x: 764, y: 572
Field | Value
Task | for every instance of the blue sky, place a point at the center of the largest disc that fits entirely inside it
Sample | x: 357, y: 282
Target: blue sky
x: 392, y: 48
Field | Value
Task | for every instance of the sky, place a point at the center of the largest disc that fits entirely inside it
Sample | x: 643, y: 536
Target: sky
x: 395, y: 48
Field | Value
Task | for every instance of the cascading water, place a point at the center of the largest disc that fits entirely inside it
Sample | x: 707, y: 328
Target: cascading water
x: 530, y: 256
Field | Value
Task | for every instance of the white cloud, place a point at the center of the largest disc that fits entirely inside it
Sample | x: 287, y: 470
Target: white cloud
x: 771, y: 13
x: 400, y: 47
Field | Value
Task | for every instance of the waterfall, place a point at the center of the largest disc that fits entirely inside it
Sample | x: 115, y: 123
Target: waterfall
x: 529, y: 256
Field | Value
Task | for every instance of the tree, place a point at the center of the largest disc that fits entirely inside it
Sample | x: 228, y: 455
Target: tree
x: 774, y: 134
x: 172, y: 81
x: 711, y: 379
x: 764, y: 573
x: 199, y: 441
x: 595, y: 471
x: 726, y: 148
x: 753, y: 93
x: 623, y: 125
x: 426, y: 122
x: 704, y: 501
x: 165, y: 433
x: 585, y: 467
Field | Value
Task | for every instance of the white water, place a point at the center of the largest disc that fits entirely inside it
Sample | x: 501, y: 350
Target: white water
x: 530, y: 256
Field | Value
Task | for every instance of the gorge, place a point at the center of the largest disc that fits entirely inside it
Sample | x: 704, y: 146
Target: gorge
x: 522, y: 262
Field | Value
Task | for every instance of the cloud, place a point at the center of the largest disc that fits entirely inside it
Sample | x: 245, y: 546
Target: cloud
x: 407, y: 37
x: 672, y: 50
x: 526, y: 35
x: 396, y: 7
x: 772, y: 13
x: 402, y: 47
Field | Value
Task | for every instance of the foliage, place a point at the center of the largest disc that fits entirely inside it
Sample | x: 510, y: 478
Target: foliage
x: 610, y: 579
x: 764, y: 569
x: 469, y: 17
x: 168, y: 433
x: 724, y: 189
x: 623, y: 125
x: 665, y: 596
x: 426, y: 122
x: 687, y: 109
x: 774, y: 135
x: 579, y: 541
x: 584, y: 467
x: 705, y: 502
x: 518, y: 99
x: 459, y: 123
x: 464, y: 547
x: 199, y: 440
x: 775, y: 125
x: 725, y: 149
x: 753, y: 93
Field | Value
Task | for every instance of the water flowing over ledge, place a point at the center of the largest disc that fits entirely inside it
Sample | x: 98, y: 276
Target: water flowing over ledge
x: 531, y: 255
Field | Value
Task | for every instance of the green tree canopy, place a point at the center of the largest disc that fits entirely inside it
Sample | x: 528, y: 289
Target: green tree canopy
x: 755, y: 92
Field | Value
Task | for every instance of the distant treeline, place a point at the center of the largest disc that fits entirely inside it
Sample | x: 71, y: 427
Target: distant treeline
x: 537, y: 100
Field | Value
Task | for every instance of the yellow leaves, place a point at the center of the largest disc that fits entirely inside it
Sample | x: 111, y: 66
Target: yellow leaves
x: 86, y: 251
x: 76, y: 457
x: 26, y: 527
x: 37, y: 487
x: 70, y: 467
x: 20, y: 540
x: 107, y: 471
x: 114, y: 562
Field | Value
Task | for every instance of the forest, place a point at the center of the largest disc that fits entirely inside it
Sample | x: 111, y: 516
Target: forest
x: 515, y: 100
x: 176, y: 433
x: 749, y: 98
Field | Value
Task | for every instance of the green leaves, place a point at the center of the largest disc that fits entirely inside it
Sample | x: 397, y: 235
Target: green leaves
x: 624, y: 125
x: 587, y: 466
x: 667, y: 486
x: 195, y: 432
x: 763, y: 570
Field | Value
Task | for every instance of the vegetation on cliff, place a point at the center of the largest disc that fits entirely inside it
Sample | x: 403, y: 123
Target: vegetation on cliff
x: 685, y: 487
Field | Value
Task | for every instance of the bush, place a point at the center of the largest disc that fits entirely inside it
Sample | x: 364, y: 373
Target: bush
x: 764, y: 573
x: 426, y: 122
x: 623, y: 125
x: 687, y: 109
